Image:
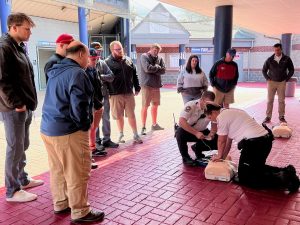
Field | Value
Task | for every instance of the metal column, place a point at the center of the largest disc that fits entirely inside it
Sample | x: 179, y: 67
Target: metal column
x: 125, y: 35
x: 83, y: 33
x: 223, y: 30
x: 5, y: 10
x: 286, y: 43
x: 181, y: 56
x: 133, y: 53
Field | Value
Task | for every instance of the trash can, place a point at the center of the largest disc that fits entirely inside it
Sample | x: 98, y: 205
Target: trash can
x: 291, y: 87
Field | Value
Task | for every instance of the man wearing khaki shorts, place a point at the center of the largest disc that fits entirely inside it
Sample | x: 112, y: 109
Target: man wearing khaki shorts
x: 152, y: 67
x: 121, y: 89
x: 223, y: 78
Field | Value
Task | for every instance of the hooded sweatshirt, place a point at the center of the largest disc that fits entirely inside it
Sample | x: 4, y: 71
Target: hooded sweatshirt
x: 68, y: 102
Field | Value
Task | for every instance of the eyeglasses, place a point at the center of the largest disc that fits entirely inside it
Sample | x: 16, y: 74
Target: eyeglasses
x: 117, y: 49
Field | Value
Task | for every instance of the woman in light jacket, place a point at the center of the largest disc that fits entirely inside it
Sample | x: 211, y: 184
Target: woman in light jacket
x: 192, y: 82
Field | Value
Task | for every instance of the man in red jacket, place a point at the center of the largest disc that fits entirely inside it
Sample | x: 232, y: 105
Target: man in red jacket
x: 223, y: 78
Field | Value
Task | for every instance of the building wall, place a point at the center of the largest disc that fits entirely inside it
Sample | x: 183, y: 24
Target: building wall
x: 47, y: 30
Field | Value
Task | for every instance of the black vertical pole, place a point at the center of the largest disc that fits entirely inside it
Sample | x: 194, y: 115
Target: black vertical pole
x: 286, y: 43
x: 223, y: 30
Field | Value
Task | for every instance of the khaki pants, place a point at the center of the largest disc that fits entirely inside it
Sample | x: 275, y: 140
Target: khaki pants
x: 70, y: 164
x: 224, y: 98
x: 274, y: 87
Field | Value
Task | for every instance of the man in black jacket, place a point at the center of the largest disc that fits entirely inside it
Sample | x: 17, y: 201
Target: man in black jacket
x: 275, y: 71
x: 120, y: 90
x: 18, y: 99
x: 223, y: 78
x: 62, y: 42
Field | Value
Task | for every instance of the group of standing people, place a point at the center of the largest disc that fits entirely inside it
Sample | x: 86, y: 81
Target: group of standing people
x: 81, y: 80
x: 79, y: 86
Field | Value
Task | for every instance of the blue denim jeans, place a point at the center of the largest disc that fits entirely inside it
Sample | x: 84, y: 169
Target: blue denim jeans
x: 16, y: 126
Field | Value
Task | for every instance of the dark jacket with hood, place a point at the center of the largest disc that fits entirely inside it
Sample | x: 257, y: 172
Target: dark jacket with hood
x: 54, y: 59
x: 68, y: 101
x: 282, y: 71
x: 125, y: 76
x: 17, y: 86
x: 224, y: 75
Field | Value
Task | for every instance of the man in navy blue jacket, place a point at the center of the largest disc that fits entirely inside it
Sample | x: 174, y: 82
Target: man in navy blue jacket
x: 66, y: 119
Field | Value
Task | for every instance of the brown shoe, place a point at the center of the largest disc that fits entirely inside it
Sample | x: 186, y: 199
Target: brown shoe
x: 92, y: 216
x: 267, y: 120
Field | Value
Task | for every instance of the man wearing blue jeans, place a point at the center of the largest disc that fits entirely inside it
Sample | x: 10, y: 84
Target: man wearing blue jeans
x: 18, y: 99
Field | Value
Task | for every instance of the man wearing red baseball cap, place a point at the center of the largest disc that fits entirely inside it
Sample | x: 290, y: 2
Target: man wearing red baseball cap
x: 62, y: 42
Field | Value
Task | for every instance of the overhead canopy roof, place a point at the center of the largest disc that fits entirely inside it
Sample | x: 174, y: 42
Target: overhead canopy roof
x: 263, y: 16
x: 98, y: 21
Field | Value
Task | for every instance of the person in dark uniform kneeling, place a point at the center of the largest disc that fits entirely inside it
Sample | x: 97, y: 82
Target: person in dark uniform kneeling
x: 193, y: 128
x: 255, y: 143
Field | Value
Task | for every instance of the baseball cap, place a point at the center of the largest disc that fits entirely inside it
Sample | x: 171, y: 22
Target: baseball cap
x: 65, y: 39
x: 232, y: 52
x: 93, y: 52
x: 96, y: 45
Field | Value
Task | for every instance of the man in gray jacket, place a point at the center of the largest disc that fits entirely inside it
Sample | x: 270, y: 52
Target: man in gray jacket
x: 106, y: 76
x: 152, y: 67
x: 277, y: 70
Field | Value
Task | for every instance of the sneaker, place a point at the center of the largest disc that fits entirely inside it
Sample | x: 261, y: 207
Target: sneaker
x: 137, y: 139
x: 267, y: 120
x: 98, y: 143
x: 100, y: 147
x: 22, y: 196
x: 290, y: 169
x: 92, y: 216
x: 188, y: 161
x: 121, y: 140
x: 97, y: 153
x: 143, y: 132
x: 282, y: 119
x: 94, y: 165
x: 66, y: 210
x: 33, y: 183
x: 293, y: 184
x: 199, y: 155
x: 110, y: 144
x: 157, y: 127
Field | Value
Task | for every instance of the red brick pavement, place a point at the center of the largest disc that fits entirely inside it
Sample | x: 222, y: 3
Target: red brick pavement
x: 147, y: 184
